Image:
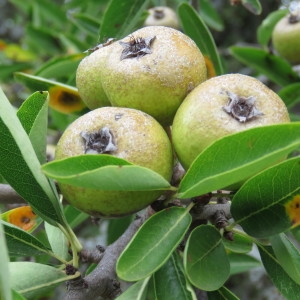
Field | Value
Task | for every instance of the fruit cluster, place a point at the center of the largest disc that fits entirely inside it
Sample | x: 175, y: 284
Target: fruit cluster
x: 152, y: 82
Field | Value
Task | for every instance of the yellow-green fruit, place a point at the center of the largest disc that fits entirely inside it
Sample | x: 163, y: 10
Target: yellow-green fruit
x: 286, y: 38
x: 162, y: 16
x: 125, y: 133
x: 221, y: 106
x: 153, y: 70
x: 89, y: 78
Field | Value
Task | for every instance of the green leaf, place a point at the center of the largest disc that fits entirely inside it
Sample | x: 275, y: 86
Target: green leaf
x: 286, y: 286
x: 34, y: 279
x: 240, y: 244
x: 264, y: 205
x: 16, y: 296
x: 5, y: 292
x: 27, y: 179
x: 86, y: 23
x: 250, y: 151
x: 275, y: 68
x: 7, y: 70
x: 264, y: 31
x: 57, y: 241
x: 104, y: 172
x: 240, y: 262
x: 205, y: 259
x: 21, y: 243
x: 222, y: 294
x: 74, y: 216
x: 196, y: 29
x: 210, y: 16
x: 290, y: 94
x: 288, y: 255
x: 153, y: 244
x: 253, y: 6
x: 116, y: 228
x: 121, y: 17
x: 170, y: 280
x: 33, y: 115
x: 137, y: 291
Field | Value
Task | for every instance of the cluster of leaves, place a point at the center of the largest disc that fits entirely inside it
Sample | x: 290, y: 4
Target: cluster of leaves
x: 266, y: 206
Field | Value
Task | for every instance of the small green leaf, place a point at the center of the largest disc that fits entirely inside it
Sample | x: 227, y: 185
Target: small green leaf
x: 5, y: 292
x: 121, y: 17
x: 196, y: 29
x: 153, y: 244
x: 33, y: 279
x: 210, y: 16
x: 27, y: 179
x: 253, y: 6
x: 275, y: 68
x: 260, y: 205
x: 240, y: 262
x: 21, y: 243
x: 104, y: 172
x: 240, y: 243
x: 74, y: 216
x: 116, y: 228
x: 33, y: 115
x: 286, y: 286
x: 205, y: 259
x: 290, y: 94
x: 264, y: 31
x: 137, y: 291
x: 57, y: 241
x: 288, y: 255
x: 222, y: 294
x: 170, y: 280
x: 250, y: 151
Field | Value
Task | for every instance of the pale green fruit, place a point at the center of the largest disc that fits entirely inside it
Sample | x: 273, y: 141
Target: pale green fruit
x: 135, y: 137
x: 206, y: 114
x: 286, y: 39
x: 162, y: 16
x: 89, y: 78
x: 153, y: 70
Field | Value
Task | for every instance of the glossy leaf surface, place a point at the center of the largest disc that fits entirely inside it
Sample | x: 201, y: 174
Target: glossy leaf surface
x: 138, y: 291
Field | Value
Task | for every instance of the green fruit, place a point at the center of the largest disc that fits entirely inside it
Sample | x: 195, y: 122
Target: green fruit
x: 286, y: 38
x: 162, y: 16
x: 221, y: 106
x: 89, y: 78
x: 153, y: 70
x: 127, y: 133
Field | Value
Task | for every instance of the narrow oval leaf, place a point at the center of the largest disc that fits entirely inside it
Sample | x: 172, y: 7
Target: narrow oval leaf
x: 286, y: 286
x: 267, y: 204
x: 209, y: 14
x: 264, y: 31
x: 138, y: 291
x: 74, y: 216
x: 275, y: 68
x: 253, y: 6
x: 27, y: 179
x: 290, y: 94
x: 222, y: 294
x: 288, y: 255
x: 33, y: 279
x: 241, y: 262
x: 153, y: 244
x: 121, y: 17
x: 205, y: 259
x: 33, y: 115
x: 196, y: 29
x: 104, y: 172
x: 5, y: 291
x: 21, y: 243
x: 170, y: 280
x: 250, y: 151
x: 240, y: 244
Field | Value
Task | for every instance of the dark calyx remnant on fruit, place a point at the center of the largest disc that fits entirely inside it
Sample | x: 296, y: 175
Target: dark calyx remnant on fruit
x: 159, y: 13
x: 294, y: 18
x: 241, y: 108
x: 136, y: 47
x: 99, y: 142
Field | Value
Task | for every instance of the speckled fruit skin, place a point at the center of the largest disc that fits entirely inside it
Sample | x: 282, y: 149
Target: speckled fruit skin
x: 89, y: 79
x: 167, y: 17
x: 139, y: 138
x: 155, y: 83
x: 286, y: 40
x: 200, y: 120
